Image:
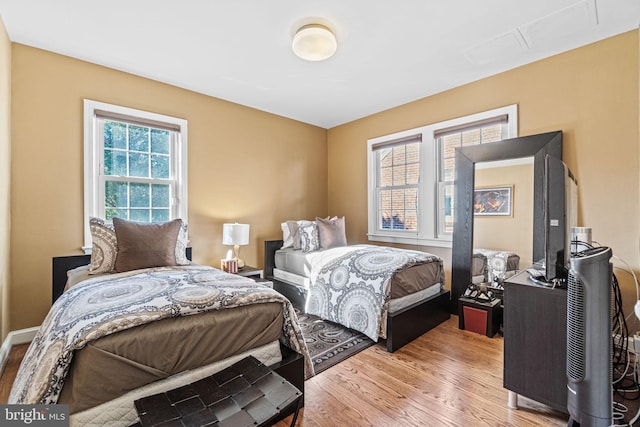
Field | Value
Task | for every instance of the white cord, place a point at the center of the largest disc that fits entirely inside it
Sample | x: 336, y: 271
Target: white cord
x: 630, y: 271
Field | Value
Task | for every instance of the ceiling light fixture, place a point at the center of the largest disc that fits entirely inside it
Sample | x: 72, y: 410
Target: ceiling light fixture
x: 314, y: 42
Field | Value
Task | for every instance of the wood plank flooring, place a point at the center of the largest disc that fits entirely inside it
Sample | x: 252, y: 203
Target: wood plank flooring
x: 447, y: 377
x: 11, y: 369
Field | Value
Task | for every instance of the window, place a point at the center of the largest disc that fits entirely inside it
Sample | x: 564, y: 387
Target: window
x: 135, y: 165
x: 411, y: 176
x: 398, y: 178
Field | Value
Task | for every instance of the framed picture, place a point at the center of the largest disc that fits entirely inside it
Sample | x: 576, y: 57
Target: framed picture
x: 493, y: 201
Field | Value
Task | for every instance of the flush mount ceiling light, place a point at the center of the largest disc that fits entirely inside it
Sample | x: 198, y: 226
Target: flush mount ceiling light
x: 314, y: 42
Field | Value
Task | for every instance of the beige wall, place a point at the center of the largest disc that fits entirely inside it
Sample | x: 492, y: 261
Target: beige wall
x: 5, y: 170
x: 590, y: 93
x: 244, y: 165
x: 496, y: 232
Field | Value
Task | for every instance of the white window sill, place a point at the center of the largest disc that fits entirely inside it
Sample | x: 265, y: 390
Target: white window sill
x: 421, y: 241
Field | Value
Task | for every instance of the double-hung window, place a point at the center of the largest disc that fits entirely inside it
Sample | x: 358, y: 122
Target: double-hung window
x: 135, y: 165
x: 411, y: 176
x: 397, y: 187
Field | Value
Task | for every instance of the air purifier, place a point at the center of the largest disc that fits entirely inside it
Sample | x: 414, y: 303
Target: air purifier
x: 589, y: 341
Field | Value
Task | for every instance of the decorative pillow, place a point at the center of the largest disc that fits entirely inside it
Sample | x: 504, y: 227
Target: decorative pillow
x: 309, y: 240
x: 294, y: 232
x: 144, y: 245
x: 104, y: 246
x: 331, y: 232
x: 286, y: 235
x: 181, y: 245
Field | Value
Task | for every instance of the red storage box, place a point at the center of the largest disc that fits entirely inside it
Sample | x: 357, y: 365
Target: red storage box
x: 475, y: 320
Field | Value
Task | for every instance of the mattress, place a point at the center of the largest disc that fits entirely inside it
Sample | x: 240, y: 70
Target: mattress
x: 293, y: 261
x: 291, y: 278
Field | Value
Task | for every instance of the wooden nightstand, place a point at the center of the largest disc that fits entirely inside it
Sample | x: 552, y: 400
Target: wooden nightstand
x: 249, y: 271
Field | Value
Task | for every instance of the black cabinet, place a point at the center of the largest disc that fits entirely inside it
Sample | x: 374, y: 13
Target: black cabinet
x: 485, y: 316
x: 535, y: 341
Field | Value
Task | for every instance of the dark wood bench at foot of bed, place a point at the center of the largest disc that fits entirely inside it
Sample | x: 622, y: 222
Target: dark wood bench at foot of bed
x: 403, y: 326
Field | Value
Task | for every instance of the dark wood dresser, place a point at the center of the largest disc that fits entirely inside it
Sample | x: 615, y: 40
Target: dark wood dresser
x: 535, y: 341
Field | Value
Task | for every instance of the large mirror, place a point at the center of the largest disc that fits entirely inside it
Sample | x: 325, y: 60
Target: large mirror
x: 503, y: 208
x: 466, y: 158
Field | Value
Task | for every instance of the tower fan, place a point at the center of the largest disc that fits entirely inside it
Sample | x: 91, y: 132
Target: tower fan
x: 589, y: 342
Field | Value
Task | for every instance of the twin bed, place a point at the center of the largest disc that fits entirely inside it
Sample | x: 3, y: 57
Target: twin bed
x: 114, y: 337
x: 339, y: 284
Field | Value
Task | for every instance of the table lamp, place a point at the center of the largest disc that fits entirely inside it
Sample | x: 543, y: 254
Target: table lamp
x: 236, y: 235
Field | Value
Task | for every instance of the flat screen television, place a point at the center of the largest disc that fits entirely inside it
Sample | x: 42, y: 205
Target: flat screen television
x: 560, y: 215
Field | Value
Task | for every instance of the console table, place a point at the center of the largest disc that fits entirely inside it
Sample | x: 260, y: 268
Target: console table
x: 535, y: 342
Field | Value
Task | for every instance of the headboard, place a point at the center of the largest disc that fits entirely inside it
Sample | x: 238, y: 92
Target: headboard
x: 62, y: 264
x: 270, y: 248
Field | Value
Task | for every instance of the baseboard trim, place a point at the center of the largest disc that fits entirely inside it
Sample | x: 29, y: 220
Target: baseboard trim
x: 20, y: 336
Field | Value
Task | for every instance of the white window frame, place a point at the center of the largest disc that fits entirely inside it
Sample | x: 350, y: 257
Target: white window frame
x: 428, y: 233
x: 94, y: 161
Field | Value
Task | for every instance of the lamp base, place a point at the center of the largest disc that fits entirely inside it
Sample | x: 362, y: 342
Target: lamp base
x: 236, y: 251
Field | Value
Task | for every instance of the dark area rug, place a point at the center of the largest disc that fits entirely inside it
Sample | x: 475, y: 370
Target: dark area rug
x: 330, y: 343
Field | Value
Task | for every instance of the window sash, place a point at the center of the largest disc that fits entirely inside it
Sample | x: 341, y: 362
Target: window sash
x: 101, y: 118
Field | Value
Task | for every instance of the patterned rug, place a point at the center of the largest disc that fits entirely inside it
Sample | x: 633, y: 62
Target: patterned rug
x: 330, y: 343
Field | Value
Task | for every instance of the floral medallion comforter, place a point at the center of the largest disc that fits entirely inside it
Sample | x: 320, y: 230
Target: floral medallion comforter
x: 350, y: 284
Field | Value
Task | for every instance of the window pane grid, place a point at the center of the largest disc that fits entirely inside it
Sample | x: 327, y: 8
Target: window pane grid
x: 131, y: 150
x: 398, y: 178
x: 465, y: 138
x: 137, y: 201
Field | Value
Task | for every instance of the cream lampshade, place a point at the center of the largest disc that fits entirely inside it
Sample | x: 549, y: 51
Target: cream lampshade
x: 236, y: 235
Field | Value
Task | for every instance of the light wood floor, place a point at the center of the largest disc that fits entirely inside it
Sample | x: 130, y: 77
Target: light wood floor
x: 447, y: 377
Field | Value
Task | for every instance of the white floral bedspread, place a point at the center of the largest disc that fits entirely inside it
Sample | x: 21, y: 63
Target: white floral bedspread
x: 350, y: 284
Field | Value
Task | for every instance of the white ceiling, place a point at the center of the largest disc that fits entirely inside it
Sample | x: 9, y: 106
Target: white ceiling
x: 389, y: 53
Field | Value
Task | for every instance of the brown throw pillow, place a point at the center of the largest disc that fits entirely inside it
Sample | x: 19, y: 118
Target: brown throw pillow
x: 144, y: 245
x: 331, y: 232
